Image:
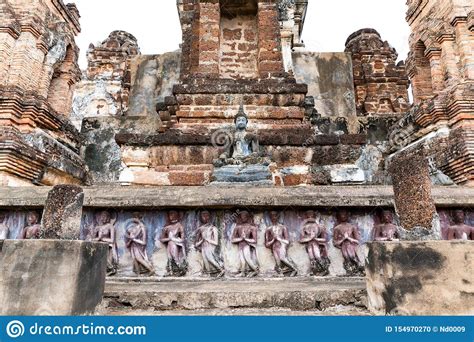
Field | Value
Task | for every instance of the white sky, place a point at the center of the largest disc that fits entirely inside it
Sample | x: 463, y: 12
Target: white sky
x: 155, y: 23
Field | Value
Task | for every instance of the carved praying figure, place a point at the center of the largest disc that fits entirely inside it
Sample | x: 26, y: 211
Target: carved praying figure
x: 33, y: 227
x: 315, y: 237
x: 277, y: 239
x: 207, y: 242
x: 347, y: 239
x: 459, y: 230
x: 172, y: 237
x: 245, y: 236
x: 135, y: 241
x: 386, y: 230
x: 104, y: 232
x: 4, y: 229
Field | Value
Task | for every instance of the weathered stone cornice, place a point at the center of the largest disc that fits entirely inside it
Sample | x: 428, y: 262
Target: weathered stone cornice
x: 29, y: 106
x: 227, y: 197
x: 458, y: 19
x: 229, y: 86
x: 13, y: 30
x: 18, y: 158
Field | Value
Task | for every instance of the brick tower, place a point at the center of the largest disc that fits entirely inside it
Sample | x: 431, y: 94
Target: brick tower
x: 232, y: 55
x: 38, y: 71
x: 441, y: 68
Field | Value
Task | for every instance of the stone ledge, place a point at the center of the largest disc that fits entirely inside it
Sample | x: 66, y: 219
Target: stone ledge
x: 294, y: 294
x: 232, y: 196
x: 230, y: 86
x: 287, y: 136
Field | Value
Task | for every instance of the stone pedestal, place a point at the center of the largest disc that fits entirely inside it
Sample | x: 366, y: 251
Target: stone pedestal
x: 307, y: 296
x: 420, y: 278
x: 46, y: 277
x: 255, y: 174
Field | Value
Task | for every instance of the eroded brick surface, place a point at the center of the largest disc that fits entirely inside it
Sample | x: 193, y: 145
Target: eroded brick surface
x: 441, y: 68
x: 381, y: 83
x: 38, y: 73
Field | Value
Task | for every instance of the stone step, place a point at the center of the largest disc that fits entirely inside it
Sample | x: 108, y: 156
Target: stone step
x: 339, y: 310
x: 284, y: 296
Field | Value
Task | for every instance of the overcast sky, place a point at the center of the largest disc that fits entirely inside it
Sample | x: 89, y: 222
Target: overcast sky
x: 155, y: 23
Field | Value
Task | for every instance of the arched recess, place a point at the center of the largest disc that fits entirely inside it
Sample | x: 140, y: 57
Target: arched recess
x: 60, y: 91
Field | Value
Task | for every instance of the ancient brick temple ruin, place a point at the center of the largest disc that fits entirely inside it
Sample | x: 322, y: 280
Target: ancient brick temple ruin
x: 441, y: 68
x: 39, y: 69
x: 243, y: 154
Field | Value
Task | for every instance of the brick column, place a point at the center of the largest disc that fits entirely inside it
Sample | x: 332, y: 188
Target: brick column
x: 187, y: 19
x: 465, y: 42
x: 26, y: 63
x: 412, y: 190
x: 60, y: 93
x: 208, y: 38
x: 270, y: 58
x: 448, y: 58
x: 45, y: 80
x: 7, y: 44
x: 419, y: 72
x: 437, y: 77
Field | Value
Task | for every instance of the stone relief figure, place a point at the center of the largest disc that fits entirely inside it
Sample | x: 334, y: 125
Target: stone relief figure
x: 386, y: 230
x: 315, y: 237
x: 135, y: 241
x: 207, y: 242
x: 172, y: 237
x: 33, y: 226
x: 347, y: 239
x: 277, y: 240
x: 245, y: 236
x: 4, y: 229
x: 459, y: 230
x: 243, y: 149
x: 104, y: 231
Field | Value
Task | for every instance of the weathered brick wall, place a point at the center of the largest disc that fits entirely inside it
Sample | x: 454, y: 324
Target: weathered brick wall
x: 110, y: 59
x: 105, y: 89
x: 441, y: 28
x: 270, y: 57
x: 38, y: 72
x: 26, y: 61
x: 35, y: 38
x: 227, y: 46
x: 206, y: 61
x: 422, y: 83
x: 238, y: 45
x: 441, y: 68
x: 185, y: 156
x: 381, y: 84
x: 208, y: 43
